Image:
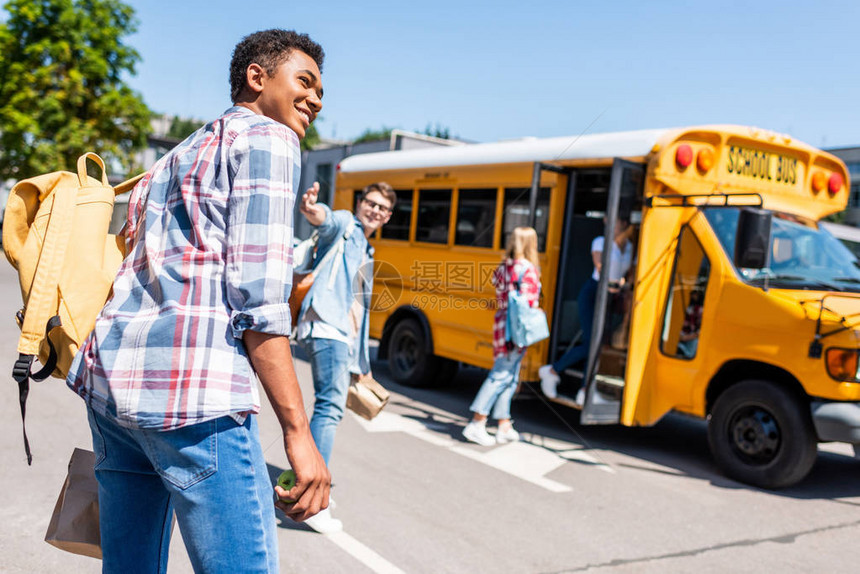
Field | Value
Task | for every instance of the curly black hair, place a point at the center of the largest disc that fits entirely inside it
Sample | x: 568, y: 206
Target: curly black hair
x: 269, y: 49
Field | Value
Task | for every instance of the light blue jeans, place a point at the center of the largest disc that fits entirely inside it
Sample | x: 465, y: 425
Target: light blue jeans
x: 212, y: 474
x: 330, y: 362
x: 499, y: 386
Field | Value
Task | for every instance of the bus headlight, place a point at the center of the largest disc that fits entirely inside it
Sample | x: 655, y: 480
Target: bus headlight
x: 842, y: 364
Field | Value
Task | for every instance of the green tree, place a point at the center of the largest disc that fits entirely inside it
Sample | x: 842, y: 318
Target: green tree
x: 62, y: 91
x: 370, y: 135
x: 181, y: 128
x: 437, y: 131
x: 312, y: 137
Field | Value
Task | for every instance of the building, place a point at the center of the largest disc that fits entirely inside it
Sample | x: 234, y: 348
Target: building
x: 851, y: 157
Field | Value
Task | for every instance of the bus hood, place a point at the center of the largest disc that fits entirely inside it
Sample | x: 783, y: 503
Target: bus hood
x: 836, y: 316
x: 830, y: 307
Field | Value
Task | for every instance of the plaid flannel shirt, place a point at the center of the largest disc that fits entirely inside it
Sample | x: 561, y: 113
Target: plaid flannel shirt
x: 504, y: 280
x: 209, y: 242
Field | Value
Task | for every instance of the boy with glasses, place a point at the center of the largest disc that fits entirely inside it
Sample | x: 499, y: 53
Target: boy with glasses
x: 333, y: 320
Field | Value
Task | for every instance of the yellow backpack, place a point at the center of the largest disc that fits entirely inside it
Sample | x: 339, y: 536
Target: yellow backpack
x: 55, y: 233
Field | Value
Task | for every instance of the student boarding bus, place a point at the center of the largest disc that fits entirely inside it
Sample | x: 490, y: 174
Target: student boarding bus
x: 726, y: 217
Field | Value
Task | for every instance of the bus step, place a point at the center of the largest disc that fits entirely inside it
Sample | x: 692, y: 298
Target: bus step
x: 611, y: 387
x: 602, y: 380
x: 610, y: 381
x: 567, y: 401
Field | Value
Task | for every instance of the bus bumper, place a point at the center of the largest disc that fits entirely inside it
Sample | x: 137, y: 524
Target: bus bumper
x: 837, y: 422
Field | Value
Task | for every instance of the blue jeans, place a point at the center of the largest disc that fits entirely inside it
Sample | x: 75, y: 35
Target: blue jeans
x: 212, y: 474
x: 499, y: 386
x: 585, y: 306
x: 330, y: 367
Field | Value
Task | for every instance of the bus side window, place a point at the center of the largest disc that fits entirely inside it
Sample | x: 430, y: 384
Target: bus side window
x: 517, y: 213
x: 434, y: 211
x: 685, y: 302
x: 476, y: 218
x: 401, y: 219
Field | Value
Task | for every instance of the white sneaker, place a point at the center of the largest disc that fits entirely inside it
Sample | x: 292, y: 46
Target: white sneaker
x: 548, y: 381
x: 323, y: 522
x: 507, y: 433
x: 476, y: 432
x: 580, y: 396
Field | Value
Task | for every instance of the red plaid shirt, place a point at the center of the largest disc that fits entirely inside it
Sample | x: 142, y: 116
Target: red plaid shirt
x: 504, y: 279
x: 209, y: 232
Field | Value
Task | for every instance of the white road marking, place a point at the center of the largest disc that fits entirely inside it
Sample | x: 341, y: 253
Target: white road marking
x: 363, y: 554
x: 570, y: 451
x: 529, y: 460
x: 837, y: 448
x: 522, y: 460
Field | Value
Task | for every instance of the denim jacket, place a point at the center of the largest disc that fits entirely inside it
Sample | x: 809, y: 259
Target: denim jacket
x: 332, y: 305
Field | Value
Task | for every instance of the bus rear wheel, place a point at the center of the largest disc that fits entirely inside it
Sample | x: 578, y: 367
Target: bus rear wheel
x: 762, y: 435
x: 409, y: 361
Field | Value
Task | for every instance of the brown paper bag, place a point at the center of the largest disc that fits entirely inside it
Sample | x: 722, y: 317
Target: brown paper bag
x: 366, y: 397
x: 74, y: 525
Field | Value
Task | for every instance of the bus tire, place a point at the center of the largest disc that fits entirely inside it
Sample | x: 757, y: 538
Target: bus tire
x: 761, y: 434
x: 409, y: 361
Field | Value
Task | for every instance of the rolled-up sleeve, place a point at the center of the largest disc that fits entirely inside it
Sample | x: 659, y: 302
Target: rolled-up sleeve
x: 263, y: 163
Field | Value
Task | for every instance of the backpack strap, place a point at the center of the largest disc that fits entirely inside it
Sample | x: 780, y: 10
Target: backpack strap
x: 128, y: 184
x: 514, y: 279
x: 21, y: 374
x: 339, y: 247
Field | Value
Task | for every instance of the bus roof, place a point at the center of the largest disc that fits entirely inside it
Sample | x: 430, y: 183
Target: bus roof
x: 844, y: 232
x: 618, y: 144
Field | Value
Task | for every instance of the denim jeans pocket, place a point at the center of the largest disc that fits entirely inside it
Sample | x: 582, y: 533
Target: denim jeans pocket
x: 184, y: 456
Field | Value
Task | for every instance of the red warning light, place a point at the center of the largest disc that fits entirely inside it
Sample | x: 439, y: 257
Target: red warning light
x: 684, y: 156
x: 834, y: 184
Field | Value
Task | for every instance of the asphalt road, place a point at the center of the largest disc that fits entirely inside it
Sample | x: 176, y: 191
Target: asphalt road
x: 415, y: 498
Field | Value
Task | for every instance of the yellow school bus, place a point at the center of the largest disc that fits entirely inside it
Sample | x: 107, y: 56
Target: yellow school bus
x: 743, y: 309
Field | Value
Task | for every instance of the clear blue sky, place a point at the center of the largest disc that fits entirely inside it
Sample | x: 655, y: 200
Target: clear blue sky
x: 490, y: 70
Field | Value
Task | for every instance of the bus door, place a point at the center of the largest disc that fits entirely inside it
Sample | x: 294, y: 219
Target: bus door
x: 603, y: 382
x: 585, y: 205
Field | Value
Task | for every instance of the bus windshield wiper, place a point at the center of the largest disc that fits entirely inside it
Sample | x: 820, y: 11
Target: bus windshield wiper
x: 847, y: 279
x: 809, y: 280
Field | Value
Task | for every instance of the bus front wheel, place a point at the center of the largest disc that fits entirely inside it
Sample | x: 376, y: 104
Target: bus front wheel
x: 761, y: 434
x: 410, y: 362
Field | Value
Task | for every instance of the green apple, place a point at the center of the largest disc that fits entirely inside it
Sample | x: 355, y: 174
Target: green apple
x: 287, y: 480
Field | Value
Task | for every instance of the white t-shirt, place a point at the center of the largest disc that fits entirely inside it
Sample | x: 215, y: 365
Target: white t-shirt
x: 619, y: 261
x: 310, y: 323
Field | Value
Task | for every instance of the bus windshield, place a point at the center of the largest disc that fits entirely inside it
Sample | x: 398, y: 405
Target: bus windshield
x: 803, y: 255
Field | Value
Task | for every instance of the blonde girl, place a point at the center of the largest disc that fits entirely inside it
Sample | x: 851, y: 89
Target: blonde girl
x: 519, y: 270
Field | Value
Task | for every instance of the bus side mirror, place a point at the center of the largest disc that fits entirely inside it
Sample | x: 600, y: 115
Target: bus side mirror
x: 752, y: 244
